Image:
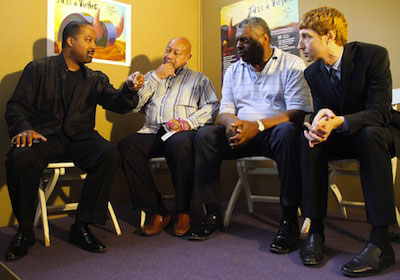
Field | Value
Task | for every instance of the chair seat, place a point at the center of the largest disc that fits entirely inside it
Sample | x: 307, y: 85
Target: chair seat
x: 60, y: 165
x: 56, y: 172
x: 350, y: 167
x: 251, y: 166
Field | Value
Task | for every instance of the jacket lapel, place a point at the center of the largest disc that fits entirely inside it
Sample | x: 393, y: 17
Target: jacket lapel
x: 346, y: 72
x: 60, y: 95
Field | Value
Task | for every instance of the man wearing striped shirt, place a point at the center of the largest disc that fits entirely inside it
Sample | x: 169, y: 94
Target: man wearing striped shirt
x: 264, y: 98
x: 176, y: 101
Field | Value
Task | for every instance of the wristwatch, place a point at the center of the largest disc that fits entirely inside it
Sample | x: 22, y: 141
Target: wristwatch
x: 261, y: 126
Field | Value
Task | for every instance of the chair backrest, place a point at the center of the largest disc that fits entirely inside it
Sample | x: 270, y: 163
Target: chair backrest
x: 395, y: 97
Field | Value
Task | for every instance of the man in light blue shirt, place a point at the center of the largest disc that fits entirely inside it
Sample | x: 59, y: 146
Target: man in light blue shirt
x: 264, y: 98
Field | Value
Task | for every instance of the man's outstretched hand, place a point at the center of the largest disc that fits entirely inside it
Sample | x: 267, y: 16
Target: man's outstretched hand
x: 135, y: 81
x: 26, y: 138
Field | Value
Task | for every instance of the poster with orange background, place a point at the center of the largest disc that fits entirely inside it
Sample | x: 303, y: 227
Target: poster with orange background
x: 282, y: 17
x: 110, y: 19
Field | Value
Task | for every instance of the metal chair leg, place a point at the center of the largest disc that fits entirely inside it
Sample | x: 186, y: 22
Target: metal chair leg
x: 114, y: 219
x: 232, y: 202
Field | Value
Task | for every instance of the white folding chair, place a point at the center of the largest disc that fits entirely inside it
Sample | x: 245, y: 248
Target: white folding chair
x: 246, y: 166
x: 341, y: 167
x: 52, y: 174
x: 251, y: 166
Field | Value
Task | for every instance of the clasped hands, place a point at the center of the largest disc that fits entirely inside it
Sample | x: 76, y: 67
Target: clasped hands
x: 240, y: 132
x: 323, y: 124
x: 178, y: 125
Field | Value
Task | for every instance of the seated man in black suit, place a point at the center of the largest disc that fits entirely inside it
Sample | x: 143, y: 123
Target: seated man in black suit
x: 351, y: 87
x: 51, y: 117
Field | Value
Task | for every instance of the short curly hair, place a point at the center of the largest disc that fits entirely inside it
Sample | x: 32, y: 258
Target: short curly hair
x: 256, y: 23
x: 72, y: 29
x: 324, y: 19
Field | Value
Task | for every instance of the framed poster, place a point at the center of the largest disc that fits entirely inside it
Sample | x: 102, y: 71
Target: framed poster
x: 282, y: 17
x: 110, y: 19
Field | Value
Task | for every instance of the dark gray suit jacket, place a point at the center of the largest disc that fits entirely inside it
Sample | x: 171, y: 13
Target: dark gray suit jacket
x: 365, y: 90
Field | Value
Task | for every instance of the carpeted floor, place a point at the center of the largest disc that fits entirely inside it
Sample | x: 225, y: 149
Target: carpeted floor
x: 240, y: 252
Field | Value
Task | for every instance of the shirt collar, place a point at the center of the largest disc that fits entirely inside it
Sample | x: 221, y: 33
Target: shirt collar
x: 276, y: 54
x: 181, y: 70
x: 64, y: 66
x: 338, y: 63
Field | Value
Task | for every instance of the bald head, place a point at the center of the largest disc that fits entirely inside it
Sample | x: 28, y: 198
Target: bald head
x: 183, y: 42
x: 177, y: 52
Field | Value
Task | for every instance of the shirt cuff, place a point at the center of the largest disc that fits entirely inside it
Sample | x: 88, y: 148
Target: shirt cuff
x: 305, y: 108
x: 345, y: 126
x: 126, y: 89
x: 227, y: 110
x: 191, y: 123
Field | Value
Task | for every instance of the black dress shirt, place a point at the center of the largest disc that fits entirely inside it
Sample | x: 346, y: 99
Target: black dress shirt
x: 38, y: 100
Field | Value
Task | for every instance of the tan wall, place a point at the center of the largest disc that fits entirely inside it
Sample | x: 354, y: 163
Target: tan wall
x: 154, y: 23
x: 369, y: 21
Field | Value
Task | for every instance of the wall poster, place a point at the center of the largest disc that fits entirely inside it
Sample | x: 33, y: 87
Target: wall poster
x: 110, y: 19
x: 282, y: 17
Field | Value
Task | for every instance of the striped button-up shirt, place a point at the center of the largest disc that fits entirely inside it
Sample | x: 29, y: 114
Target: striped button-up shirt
x: 189, y: 96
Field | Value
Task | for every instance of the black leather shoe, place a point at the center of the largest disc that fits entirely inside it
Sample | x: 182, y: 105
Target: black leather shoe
x: 84, y: 238
x: 19, y: 245
x: 209, y: 225
x: 370, y: 261
x: 287, y: 237
x: 312, y: 251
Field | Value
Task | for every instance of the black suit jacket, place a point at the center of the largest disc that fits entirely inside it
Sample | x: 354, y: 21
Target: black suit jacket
x: 38, y: 100
x: 365, y: 89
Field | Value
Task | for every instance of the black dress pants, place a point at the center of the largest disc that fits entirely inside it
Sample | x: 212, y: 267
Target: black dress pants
x: 96, y: 156
x: 280, y: 143
x: 138, y: 148
x: 373, y: 147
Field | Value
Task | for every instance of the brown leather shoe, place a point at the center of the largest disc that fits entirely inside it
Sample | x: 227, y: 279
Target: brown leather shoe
x: 156, y: 225
x: 182, y: 226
